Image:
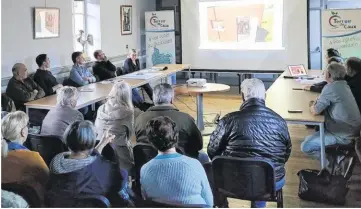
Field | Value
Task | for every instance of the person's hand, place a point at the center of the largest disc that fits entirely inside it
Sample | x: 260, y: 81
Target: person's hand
x: 58, y: 86
x: 311, y: 103
x: 35, y: 92
x: 85, y: 79
x: 307, y: 88
x: 106, y: 139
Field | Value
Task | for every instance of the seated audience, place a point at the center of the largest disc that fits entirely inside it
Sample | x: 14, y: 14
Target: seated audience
x: 21, y: 166
x: 80, y: 74
x: 332, y: 55
x: 44, y: 77
x: 82, y: 170
x: 64, y: 114
x: 342, y: 116
x: 21, y: 88
x: 10, y: 199
x: 190, y: 138
x: 131, y: 65
x: 353, y: 78
x: 255, y: 131
x: 117, y: 116
x: 103, y: 68
x: 171, y: 177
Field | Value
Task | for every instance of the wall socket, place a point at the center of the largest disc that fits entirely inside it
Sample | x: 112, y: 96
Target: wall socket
x: 126, y: 46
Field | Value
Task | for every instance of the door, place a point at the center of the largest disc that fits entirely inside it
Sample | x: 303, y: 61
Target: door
x: 315, y: 38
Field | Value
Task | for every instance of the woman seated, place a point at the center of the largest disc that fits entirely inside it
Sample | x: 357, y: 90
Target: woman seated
x: 21, y: 166
x: 64, y: 114
x: 171, y: 177
x: 131, y: 64
x: 83, y: 171
x: 117, y: 116
x: 353, y: 78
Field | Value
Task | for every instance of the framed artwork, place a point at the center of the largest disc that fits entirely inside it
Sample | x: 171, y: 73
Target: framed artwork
x: 46, y: 22
x: 126, y: 19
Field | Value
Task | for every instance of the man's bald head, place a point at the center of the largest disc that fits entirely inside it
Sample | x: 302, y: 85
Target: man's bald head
x: 20, y: 71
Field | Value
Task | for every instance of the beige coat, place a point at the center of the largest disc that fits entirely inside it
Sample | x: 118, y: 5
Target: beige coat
x: 120, y: 120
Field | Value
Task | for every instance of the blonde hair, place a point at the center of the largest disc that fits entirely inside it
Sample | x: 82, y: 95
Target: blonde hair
x: 67, y: 95
x: 12, y: 124
x: 121, y: 93
x: 133, y: 51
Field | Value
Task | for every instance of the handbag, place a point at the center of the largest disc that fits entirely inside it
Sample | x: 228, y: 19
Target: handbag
x: 321, y: 186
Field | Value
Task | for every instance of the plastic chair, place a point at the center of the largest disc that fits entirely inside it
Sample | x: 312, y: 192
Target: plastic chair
x: 246, y: 179
x: 47, y: 146
x: 347, y: 150
x: 92, y: 201
x: 26, y: 192
x: 143, y: 153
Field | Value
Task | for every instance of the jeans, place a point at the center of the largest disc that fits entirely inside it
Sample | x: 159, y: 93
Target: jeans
x: 262, y: 204
x: 312, y: 144
x: 136, y: 98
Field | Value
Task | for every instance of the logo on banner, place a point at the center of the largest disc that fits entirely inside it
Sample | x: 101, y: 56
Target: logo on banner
x: 156, y: 22
x: 336, y: 21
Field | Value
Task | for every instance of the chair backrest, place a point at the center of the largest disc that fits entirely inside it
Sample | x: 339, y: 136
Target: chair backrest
x: 26, y: 192
x: 143, y: 153
x: 92, y: 201
x: 109, y: 153
x: 47, y: 146
x: 244, y: 178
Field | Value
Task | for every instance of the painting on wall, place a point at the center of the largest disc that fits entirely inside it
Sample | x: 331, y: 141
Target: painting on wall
x: 46, y: 22
x: 126, y: 19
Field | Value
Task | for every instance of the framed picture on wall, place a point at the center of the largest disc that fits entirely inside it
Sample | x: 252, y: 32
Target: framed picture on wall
x: 46, y: 22
x: 126, y: 19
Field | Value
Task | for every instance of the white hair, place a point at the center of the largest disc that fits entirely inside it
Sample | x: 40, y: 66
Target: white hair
x: 66, y: 96
x: 121, y: 93
x: 337, y: 71
x: 253, y: 88
x: 12, y: 125
x: 163, y: 94
x: 4, y: 148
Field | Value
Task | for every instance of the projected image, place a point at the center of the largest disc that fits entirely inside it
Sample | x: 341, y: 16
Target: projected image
x: 245, y: 22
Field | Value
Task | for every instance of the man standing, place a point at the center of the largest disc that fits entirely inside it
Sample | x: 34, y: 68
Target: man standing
x: 254, y: 131
x: 21, y: 88
x: 190, y: 138
x: 44, y: 77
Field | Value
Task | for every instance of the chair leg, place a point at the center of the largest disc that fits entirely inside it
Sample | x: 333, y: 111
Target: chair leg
x: 280, y: 199
x: 349, y: 168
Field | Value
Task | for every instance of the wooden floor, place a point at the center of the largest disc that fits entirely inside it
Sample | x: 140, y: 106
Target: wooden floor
x: 225, y: 103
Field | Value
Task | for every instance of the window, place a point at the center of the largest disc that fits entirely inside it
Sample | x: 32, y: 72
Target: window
x: 78, y: 23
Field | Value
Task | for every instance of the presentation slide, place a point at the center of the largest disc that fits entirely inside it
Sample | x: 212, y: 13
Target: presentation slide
x: 250, y: 24
x: 251, y: 35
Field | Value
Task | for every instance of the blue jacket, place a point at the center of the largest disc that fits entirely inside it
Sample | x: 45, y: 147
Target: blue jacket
x: 78, y: 72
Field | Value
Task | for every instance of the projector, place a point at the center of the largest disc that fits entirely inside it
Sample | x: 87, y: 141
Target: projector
x: 197, y: 82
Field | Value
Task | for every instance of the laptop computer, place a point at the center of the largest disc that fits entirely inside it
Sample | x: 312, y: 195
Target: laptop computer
x: 298, y: 71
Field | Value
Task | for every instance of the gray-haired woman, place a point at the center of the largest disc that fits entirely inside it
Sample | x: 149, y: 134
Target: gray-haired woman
x: 117, y: 115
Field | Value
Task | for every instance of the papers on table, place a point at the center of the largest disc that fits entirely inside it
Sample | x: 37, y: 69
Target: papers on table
x: 86, y: 89
x: 310, y: 82
x: 143, y: 74
x: 112, y: 80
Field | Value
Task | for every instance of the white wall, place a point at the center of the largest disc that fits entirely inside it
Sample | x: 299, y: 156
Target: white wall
x: 17, y: 43
x: 113, y: 43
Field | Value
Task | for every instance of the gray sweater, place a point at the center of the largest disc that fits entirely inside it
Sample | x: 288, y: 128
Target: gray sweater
x: 58, y: 119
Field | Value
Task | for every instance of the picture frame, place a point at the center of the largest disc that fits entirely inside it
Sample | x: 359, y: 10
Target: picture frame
x: 46, y: 22
x: 126, y: 20
x: 297, y: 70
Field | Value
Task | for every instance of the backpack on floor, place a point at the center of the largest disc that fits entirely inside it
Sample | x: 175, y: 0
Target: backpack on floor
x: 322, y: 187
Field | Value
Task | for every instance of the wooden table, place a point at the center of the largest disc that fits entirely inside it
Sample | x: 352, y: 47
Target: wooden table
x: 281, y: 97
x: 209, y: 87
x: 101, y: 90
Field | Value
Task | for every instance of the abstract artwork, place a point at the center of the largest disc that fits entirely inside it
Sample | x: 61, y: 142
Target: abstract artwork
x: 46, y: 22
x: 126, y: 19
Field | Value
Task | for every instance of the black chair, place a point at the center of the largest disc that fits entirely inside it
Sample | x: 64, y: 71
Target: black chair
x: 92, y: 201
x: 47, y: 146
x: 26, y: 192
x: 157, y: 204
x: 143, y: 153
x: 347, y: 150
x: 109, y: 153
x: 69, y: 82
x: 246, y: 179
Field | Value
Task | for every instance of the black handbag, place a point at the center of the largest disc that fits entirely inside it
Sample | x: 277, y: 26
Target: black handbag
x: 322, y: 187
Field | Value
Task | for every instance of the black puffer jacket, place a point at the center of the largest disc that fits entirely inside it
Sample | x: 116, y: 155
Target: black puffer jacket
x: 254, y: 131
